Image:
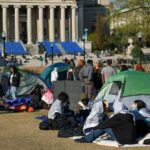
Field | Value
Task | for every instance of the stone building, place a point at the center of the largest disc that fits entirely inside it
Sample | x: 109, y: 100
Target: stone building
x: 37, y: 20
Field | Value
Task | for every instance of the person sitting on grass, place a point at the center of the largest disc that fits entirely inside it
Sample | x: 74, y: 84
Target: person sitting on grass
x: 142, y: 117
x: 95, y: 117
x: 82, y: 110
x: 59, y: 114
x: 120, y: 127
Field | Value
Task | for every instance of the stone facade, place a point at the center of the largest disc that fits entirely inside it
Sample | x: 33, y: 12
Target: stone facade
x: 39, y: 20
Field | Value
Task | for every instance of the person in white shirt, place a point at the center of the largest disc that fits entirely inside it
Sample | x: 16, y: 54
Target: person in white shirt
x: 54, y: 75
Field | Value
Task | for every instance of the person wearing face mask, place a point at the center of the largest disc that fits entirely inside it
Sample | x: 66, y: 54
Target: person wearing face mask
x: 140, y: 106
x: 120, y: 126
x: 142, y: 117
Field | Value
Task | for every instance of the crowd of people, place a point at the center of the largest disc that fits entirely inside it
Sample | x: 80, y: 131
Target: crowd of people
x: 91, y: 119
x: 93, y: 75
x: 94, y: 120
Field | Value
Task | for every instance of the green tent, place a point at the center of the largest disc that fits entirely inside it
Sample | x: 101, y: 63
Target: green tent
x: 128, y: 86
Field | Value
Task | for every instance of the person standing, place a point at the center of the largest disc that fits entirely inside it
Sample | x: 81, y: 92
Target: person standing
x: 14, y: 82
x: 86, y: 75
x: 54, y: 75
x: 107, y: 71
x: 78, y: 68
x: 97, y: 79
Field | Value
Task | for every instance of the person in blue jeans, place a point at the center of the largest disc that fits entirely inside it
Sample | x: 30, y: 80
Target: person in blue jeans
x: 14, y: 82
x: 95, y: 133
x: 120, y: 126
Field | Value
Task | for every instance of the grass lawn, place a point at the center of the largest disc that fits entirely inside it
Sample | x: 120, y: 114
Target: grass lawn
x: 20, y: 131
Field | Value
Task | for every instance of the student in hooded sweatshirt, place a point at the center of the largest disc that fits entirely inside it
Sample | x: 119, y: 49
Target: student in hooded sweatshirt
x: 120, y: 127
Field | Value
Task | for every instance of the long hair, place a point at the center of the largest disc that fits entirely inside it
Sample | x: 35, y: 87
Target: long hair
x: 14, y: 69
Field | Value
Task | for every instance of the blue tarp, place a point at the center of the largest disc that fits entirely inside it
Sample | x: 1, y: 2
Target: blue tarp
x: 47, y: 46
x: 62, y: 72
x: 19, y: 101
x: 15, y: 48
x: 72, y: 47
x: 62, y: 47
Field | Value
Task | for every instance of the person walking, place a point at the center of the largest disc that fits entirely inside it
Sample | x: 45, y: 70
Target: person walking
x: 14, y: 81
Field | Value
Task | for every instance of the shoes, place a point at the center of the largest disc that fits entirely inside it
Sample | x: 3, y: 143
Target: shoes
x: 81, y: 140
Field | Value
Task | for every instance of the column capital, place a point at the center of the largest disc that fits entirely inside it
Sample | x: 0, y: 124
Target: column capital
x: 17, y: 6
x: 42, y: 6
x: 63, y: 6
x: 74, y: 7
x: 29, y: 6
x: 52, y: 6
x: 5, y: 6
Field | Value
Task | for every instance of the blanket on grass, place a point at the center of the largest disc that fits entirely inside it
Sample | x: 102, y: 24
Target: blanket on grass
x: 110, y: 143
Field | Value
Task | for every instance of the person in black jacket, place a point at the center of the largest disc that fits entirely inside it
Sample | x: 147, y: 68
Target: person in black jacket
x: 120, y: 127
x: 14, y: 81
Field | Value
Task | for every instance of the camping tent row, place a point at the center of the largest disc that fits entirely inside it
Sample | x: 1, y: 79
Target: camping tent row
x: 127, y: 87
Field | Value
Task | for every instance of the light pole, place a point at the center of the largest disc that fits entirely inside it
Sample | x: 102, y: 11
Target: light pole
x: 83, y: 39
x: 86, y: 34
x: 4, y: 44
x: 52, y: 48
x: 140, y: 40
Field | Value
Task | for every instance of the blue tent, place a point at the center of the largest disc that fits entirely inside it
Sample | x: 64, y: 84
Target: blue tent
x: 62, y: 72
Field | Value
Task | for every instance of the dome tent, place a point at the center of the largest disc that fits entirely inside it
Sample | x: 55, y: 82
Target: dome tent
x: 62, y: 72
x: 128, y: 86
x: 28, y: 82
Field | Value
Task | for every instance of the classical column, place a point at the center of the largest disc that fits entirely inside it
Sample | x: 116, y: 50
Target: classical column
x: 17, y: 37
x: 80, y: 20
x: 73, y: 13
x: 29, y: 24
x: 5, y: 19
x: 40, y: 29
x: 77, y: 25
x: 70, y: 31
x: 51, y: 24
x: 62, y: 24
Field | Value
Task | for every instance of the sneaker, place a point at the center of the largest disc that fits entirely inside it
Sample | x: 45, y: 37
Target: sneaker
x: 81, y: 140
